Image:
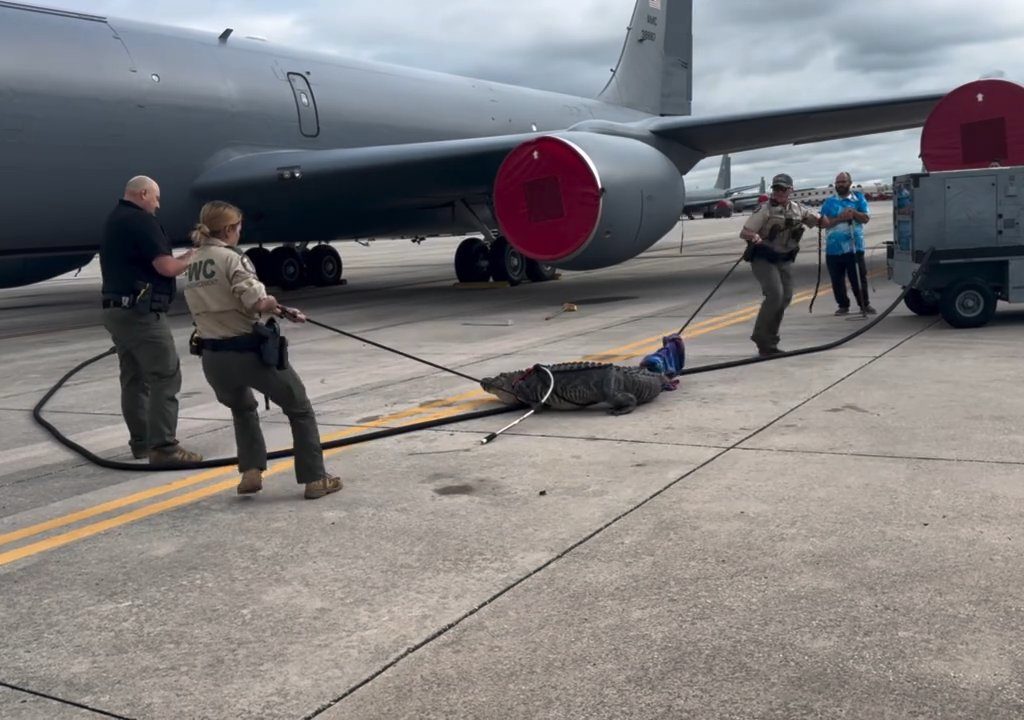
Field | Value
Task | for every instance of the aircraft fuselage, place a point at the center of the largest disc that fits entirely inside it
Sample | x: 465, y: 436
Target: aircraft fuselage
x: 86, y: 103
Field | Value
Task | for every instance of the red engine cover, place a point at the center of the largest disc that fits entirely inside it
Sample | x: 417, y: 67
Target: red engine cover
x: 548, y: 198
x: 975, y: 125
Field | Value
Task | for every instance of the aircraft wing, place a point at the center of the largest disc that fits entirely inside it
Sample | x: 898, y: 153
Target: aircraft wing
x: 734, y: 133
x: 431, y: 171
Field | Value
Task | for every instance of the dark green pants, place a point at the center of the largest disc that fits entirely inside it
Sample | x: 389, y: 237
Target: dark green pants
x: 776, y: 281
x: 150, y: 376
x: 233, y: 376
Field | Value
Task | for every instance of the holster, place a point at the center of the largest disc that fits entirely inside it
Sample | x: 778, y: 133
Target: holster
x: 147, y: 301
x: 273, y: 348
x: 195, y: 344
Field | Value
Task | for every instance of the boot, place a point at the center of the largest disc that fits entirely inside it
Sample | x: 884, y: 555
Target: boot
x: 324, y: 486
x: 251, y: 482
x: 172, y: 455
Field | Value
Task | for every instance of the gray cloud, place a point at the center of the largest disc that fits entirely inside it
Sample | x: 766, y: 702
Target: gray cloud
x: 747, y: 56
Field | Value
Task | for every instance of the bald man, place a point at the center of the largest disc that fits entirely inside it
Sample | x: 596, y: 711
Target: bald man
x: 138, y: 271
x: 847, y: 213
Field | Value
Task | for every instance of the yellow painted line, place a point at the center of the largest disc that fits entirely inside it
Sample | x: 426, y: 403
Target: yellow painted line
x: 445, y: 408
x: 87, y: 531
x: 214, y: 473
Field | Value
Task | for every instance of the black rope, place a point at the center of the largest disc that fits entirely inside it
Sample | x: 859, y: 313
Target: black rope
x: 914, y: 280
x: 713, y: 291
x: 37, y: 410
x: 393, y: 350
x: 37, y: 415
x: 817, y: 284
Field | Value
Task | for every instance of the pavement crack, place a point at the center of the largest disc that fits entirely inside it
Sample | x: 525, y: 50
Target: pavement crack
x: 62, y: 701
x: 440, y: 632
x: 882, y: 456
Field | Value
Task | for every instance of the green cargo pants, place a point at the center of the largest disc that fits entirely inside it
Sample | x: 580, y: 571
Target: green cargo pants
x: 233, y: 376
x: 150, y: 376
x: 777, y: 286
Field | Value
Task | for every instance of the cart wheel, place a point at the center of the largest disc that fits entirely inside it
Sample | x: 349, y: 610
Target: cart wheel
x: 918, y: 304
x: 968, y: 303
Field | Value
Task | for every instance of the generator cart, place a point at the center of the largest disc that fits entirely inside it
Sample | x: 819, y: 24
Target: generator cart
x: 972, y: 220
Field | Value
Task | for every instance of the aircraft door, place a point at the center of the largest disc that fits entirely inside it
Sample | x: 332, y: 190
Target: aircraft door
x: 309, y: 123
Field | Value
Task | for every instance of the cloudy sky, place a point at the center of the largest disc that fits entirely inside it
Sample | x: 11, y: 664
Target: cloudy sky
x: 747, y: 55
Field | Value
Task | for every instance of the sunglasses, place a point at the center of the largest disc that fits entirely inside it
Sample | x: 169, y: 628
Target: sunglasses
x: 779, y: 188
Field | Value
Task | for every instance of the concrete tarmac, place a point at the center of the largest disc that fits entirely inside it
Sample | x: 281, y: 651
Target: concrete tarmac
x: 832, y: 535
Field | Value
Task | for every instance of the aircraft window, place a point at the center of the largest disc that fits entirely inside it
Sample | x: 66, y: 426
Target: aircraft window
x: 156, y: 78
x: 304, y: 98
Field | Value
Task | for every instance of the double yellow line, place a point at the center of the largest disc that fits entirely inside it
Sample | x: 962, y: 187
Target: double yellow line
x: 429, y: 411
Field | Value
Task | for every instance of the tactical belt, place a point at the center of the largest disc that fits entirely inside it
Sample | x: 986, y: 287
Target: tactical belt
x: 772, y: 256
x: 240, y: 343
x: 148, y: 303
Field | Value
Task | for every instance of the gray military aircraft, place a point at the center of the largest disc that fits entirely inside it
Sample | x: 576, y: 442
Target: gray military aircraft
x: 316, y: 148
x: 717, y: 200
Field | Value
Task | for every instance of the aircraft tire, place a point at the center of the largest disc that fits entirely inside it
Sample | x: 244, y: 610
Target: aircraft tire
x: 323, y: 265
x: 472, y: 261
x: 287, y: 267
x: 537, y: 271
x: 260, y: 258
x: 507, y: 263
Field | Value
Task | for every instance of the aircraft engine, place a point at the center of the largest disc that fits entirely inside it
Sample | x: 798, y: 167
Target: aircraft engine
x: 582, y: 201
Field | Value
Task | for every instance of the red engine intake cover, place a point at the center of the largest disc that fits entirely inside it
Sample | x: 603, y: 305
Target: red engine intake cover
x: 975, y: 125
x: 547, y: 198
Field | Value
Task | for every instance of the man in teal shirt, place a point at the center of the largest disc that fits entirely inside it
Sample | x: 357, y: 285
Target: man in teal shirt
x: 847, y: 212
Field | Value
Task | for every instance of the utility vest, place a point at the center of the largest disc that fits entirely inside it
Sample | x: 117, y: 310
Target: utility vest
x: 221, y: 288
x: 780, y: 228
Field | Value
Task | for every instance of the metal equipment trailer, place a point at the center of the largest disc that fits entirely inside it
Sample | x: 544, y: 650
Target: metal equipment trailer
x: 973, y: 221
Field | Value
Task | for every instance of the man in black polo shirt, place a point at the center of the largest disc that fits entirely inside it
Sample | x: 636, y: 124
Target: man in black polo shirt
x: 138, y: 286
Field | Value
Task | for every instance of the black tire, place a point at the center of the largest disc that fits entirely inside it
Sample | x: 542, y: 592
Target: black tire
x: 968, y: 304
x: 473, y: 261
x: 507, y: 263
x: 537, y: 271
x: 323, y: 265
x: 919, y: 305
x: 260, y: 258
x: 287, y: 267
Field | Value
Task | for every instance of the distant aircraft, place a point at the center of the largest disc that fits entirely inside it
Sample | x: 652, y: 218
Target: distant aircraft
x: 316, y: 148
x: 715, y: 202
x: 750, y: 201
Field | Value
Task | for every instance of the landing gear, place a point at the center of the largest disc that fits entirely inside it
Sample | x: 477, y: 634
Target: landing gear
x: 476, y: 261
x: 287, y: 269
x: 537, y: 271
x: 260, y: 258
x: 290, y: 267
x: 323, y: 265
x: 472, y: 261
x: 506, y: 262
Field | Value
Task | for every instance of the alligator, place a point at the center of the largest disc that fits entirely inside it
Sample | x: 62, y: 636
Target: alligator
x: 579, y: 384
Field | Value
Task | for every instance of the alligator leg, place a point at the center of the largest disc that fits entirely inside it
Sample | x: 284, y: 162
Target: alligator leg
x: 621, y: 402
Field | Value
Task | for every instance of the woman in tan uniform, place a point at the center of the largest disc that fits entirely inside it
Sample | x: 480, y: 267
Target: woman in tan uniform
x: 227, y: 300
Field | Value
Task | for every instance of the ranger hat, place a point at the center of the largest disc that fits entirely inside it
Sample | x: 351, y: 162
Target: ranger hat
x: 782, y: 179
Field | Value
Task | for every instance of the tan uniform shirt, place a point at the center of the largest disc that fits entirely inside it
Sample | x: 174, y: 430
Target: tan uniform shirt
x: 787, y: 218
x: 221, y: 288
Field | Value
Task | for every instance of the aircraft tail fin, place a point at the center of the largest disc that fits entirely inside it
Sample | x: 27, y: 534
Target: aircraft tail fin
x: 654, y: 73
x: 763, y: 189
x: 724, y: 181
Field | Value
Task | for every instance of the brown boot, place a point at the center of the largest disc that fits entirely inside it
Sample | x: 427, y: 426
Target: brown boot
x: 173, y: 455
x: 324, y: 486
x: 251, y: 482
